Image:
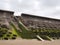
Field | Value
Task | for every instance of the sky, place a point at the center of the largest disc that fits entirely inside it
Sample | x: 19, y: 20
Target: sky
x: 46, y: 8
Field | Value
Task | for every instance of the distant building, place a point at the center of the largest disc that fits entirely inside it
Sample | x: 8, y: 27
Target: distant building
x: 32, y: 21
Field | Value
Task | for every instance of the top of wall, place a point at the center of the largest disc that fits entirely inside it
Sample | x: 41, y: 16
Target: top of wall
x: 6, y: 11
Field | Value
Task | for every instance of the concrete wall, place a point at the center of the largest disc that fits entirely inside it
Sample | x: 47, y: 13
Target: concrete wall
x: 5, y: 16
x: 33, y: 21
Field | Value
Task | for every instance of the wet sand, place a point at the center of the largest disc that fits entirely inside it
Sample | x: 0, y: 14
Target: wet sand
x: 28, y: 42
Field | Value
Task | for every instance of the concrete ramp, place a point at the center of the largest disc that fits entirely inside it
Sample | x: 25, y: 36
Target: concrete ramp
x: 23, y: 25
x: 50, y: 38
x: 39, y: 37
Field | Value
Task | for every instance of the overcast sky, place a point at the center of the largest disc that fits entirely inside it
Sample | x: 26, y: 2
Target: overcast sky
x: 47, y: 8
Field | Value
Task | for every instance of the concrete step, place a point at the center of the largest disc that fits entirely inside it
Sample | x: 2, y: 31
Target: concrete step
x: 40, y: 38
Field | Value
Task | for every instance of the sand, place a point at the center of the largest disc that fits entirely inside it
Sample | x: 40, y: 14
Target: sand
x: 28, y: 42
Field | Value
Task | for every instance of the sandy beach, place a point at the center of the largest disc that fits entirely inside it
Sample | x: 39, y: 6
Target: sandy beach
x: 29, y: 42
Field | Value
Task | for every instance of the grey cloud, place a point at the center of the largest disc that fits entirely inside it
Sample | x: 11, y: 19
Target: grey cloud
x: 51, y: 2
x: 44, y: 8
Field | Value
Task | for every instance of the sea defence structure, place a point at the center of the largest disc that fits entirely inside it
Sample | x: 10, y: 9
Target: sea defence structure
x: 46, y: 23
x: 6, y: 16
x: 28, y: 26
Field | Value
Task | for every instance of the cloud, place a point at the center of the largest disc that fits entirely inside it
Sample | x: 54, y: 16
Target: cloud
x: 51, y: 2
x: 48, y: 8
